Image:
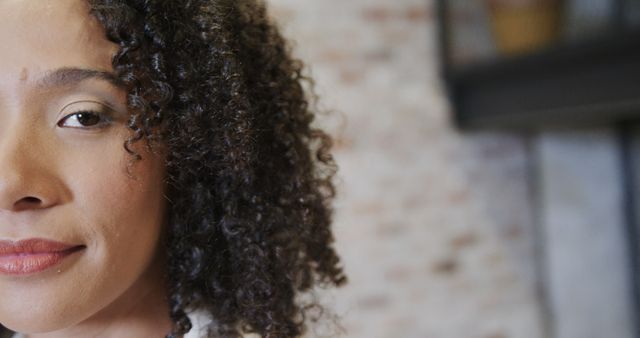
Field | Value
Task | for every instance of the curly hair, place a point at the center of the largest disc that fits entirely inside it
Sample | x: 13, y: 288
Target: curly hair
x: 249, y: 179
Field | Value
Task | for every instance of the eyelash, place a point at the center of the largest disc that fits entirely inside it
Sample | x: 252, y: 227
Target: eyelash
x: 105, y: 120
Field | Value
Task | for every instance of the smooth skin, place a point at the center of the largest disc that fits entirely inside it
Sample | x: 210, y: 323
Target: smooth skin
x: 63, y: 176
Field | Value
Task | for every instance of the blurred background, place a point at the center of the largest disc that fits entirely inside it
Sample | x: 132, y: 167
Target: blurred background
x: 489, y: 163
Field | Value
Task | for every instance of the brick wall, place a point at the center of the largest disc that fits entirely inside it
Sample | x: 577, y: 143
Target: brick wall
x: 434, y: 226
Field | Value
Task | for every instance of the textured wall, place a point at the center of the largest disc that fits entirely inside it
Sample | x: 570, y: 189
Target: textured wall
x: 434, y: 227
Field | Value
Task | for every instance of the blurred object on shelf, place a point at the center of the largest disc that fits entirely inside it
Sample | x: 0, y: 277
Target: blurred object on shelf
x: 491, y: 31
x: 589, y: 18
x: 469, y: 36
x: 587, y: 76
x: 525, y: 25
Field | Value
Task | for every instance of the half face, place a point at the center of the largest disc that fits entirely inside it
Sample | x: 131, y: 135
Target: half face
x: 63, y: 174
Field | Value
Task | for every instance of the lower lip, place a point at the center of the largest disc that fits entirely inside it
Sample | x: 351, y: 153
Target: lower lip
x: 25, y: 264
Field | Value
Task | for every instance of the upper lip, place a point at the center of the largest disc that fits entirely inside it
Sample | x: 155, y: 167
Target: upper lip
x: 33, y: 246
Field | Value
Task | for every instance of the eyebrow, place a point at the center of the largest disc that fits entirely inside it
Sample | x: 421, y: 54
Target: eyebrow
x: 68, y: 76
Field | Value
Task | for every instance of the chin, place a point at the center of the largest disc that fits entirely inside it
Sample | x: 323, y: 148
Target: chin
x: 39, y: 316
x: 34, y: 323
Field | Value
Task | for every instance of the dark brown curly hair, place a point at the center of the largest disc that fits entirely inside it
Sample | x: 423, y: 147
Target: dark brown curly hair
x: 250, y: 181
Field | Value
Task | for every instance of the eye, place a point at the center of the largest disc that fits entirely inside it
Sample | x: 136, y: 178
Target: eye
x: 84, y: 119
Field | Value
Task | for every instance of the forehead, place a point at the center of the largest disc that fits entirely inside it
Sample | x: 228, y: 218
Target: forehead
x: 43, y: 35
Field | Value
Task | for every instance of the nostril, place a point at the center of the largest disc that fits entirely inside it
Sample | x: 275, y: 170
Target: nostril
x: 31, y: 200
x: 27, y: 203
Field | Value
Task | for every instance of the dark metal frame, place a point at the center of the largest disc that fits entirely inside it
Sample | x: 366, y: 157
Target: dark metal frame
x: 594, y: 81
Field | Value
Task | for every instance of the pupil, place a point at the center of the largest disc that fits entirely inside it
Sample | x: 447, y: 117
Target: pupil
x: 88, y: 119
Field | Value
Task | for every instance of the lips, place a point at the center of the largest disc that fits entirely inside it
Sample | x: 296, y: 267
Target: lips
x: 33, y: 255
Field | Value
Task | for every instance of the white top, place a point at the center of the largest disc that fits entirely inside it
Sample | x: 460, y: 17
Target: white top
x: 199, y: 321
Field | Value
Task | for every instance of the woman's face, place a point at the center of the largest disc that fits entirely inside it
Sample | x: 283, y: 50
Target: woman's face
x: 63, y: 175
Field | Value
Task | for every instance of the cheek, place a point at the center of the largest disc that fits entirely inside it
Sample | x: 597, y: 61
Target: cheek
x: 123, y: 204
x: 123, y: 210
x: 121, y: 218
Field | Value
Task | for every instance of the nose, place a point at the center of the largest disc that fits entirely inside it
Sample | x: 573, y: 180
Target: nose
x: 26, y: 182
